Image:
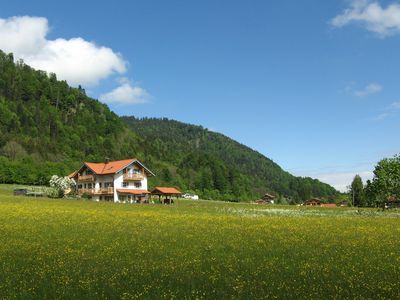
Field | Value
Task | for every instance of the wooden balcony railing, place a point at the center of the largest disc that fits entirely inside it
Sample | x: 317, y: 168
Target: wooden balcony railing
x: 133, y: 177
x: 99, y: 191
x: 86, y: 178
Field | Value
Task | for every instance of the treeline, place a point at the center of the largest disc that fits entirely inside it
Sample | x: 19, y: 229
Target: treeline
x: 49, y: 128
x: 383, y: 190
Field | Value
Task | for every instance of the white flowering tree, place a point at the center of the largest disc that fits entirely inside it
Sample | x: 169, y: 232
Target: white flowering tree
x: 60, y: 186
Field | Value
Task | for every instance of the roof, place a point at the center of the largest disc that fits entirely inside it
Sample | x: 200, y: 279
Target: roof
x: 73, y: 174
x: 132, y: 191
x: 313, y: 200
x: 166, y: 191
x: 113, y: 167
x: 393, y: 199
x: 269, y: 196
x: 109, y: 167
x: 329, y: 205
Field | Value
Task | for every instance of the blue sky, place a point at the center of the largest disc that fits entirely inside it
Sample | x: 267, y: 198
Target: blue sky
x: 311, y: 84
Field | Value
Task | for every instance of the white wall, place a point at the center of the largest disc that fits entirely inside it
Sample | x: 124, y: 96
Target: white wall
x: 118, y: 180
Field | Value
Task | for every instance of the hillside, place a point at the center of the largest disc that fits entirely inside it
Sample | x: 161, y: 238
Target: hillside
x: 209, y: 162
x: 49, y: 128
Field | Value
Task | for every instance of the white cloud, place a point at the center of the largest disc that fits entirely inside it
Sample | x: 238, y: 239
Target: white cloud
x: 371, y: 88
x: 374, y: 17
x: 341, y: 181
x: 391, y: 110
x: 126, y: 94
x: 395, y: 105
x: 75, y: 60
x: 381, y: 116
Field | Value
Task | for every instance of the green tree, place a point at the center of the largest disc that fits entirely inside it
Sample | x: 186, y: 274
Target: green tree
x: 386, y: 181
x: 166, y: 175
x: 357, y: 191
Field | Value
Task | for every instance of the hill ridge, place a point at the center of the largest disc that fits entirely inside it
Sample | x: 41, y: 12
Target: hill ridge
x: 49, y: 128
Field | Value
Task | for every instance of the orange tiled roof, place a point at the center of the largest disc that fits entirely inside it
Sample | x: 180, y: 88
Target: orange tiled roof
x: 110, y: 167
x: 132, y: 191
x: 166, y: 190
x: 328, y: 205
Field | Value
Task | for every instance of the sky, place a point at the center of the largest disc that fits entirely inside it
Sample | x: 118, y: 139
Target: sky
x: 313, y: 85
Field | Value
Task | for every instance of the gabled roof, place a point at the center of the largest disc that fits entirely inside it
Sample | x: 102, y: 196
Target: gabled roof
x: 73, y: 174
x: 165, y: 191
x: 113, y: 167
x: 109, y: 167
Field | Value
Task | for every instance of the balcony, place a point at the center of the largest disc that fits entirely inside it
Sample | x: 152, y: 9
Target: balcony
x: 86, y: 178
x: 100, y: 191
x: 133, y: 177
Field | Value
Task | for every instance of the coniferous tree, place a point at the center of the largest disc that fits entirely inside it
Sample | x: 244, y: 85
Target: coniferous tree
x: 357, y: 192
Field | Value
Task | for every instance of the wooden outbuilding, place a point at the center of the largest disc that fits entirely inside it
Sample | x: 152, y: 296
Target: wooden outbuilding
x: 393, y: 202
x: 313, y: 202
x: 166, y: 194
x: 266, y: 199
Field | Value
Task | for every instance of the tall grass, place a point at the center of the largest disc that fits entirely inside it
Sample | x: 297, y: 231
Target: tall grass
x: 82, y: 249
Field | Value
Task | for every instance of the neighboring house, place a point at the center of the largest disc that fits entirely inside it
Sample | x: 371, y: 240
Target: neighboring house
x: 266, y: 199
x: 118, y: 181
x: 313, y: 202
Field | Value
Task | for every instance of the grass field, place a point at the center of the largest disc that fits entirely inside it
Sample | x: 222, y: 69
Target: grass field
x: 194, y: 249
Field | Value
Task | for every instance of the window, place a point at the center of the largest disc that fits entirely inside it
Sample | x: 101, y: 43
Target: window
x: 100, y: 185
x: 138, y: 184
x: 124, y: 184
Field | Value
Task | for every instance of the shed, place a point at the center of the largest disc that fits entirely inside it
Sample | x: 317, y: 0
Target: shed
x: 393, y: 202
x: 167, y: 193
x: 266, y: 199
x: 313, y: 202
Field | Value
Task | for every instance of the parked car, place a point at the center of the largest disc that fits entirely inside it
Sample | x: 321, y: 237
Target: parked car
x: 190, y: 196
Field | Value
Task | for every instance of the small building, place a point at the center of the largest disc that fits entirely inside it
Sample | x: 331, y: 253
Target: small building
x: 166, y: 194
x: 313, y: 202
x: 266, y: 199
x: 393, y: 202
x: 343, y: 203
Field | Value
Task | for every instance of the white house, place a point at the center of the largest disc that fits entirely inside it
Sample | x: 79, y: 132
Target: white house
x: 118, y: 181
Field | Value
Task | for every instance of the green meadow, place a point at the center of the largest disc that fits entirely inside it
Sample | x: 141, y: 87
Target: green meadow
x: 53, y: 249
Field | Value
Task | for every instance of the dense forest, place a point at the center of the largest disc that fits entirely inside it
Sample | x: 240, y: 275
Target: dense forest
x: 215, y: 165
x: 48, y: 127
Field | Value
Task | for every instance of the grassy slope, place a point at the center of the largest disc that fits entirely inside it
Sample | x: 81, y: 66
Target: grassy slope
x: 78, y: 249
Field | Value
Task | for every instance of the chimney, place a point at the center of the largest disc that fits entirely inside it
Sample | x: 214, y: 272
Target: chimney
x: 107, y: 160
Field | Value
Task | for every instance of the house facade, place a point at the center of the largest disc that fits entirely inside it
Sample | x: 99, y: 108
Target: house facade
x: 117, y: 181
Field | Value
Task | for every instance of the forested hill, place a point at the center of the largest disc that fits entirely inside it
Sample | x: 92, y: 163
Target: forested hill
x: 49, y: 128
x: 213, y: 163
